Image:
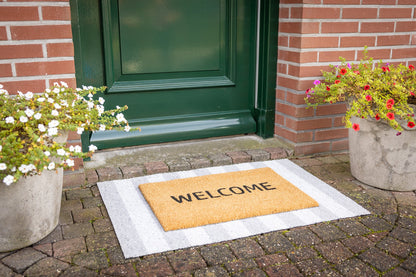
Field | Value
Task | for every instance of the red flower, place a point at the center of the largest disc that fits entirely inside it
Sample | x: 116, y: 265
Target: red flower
x: 412, y: 93
x: 390, y: 115
x: 338, y: 76
x: 389, y: 104
x: 308, y: 90
x: 410, y: 124
x: 385, y: 68
x: 411, y: 67
x: 328, y: 88
x: 377, y: 117
x: 357, y: 72
x: 368, y: 97
x: 337, y: 81
x: 366, y: 87
x: 356, y: 127
x: 343, y: 71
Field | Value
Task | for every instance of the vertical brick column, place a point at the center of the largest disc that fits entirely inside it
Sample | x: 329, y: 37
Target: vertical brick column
x: 314, y: 34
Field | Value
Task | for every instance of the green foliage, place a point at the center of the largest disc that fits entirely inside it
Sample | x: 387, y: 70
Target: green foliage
x: 371, y: 90
x: 30, y: 123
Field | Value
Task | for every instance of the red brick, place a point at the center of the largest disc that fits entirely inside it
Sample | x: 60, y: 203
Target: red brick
x: 331, y: 134
x: 406, y: 2
x: 406, y: 26
x: 293, y: 136
x: 357, y: 41
x: 279, y: 119
x: 5, y: 70
x: 283, y: 41
x: 404, y: 53
x: 312, y: 148
x: 298, y: 57
x: 379, y: 2
x: 359, y: 12
x: 284, y: 12
x: 294, y: 98
x: 293, y: 110
x: 333, y: 56
x: 307, y: 71
x: 313, y: 42
x: 41, y: 32
x: 287, y: 82
x: 377, y: 27
x: 393, y: 40
x: 73, y: 135
x: 339, y: 27
x: 339, y: 145
x: 60, y: 49
x: 309, y: 124
x: 282, y: 68
x: 34, y: 86
x: 339, y: 121
x: 331, y: 109
x: 3, y: 33
x: 18, y: 13
x: 315, y: 13
x: 299, y: 27
x: 45, y: 68
x: 56, y: 13
x: 376, y: 54
x: 21, y: 51
x: 395, y: 13
x: 343, y: 2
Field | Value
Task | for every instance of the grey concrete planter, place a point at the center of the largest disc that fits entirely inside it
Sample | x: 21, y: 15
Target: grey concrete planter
x: 29, y: 209
x: 381, y: 159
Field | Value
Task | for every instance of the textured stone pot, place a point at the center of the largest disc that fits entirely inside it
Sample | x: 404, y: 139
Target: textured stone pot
x: 29, y: 209
x: 380, y: 158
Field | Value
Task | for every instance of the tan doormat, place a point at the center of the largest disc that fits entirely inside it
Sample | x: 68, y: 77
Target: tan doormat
x: 202, y: 200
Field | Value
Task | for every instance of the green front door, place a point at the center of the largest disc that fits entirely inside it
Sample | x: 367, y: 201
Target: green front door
x: 186, y: 68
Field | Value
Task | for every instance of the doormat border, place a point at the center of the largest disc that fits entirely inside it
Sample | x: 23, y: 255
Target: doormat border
x: 140, y: 233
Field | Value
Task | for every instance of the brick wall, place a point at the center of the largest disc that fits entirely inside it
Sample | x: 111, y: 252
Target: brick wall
x: 36, y: 47
x: 312, y: 35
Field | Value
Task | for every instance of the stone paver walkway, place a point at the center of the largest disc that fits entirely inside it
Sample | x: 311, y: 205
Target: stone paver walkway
x: 380, y: 244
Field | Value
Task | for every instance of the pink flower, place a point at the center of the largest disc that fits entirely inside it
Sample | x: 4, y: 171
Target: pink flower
x: 368, y: 98
x: 316, y: 82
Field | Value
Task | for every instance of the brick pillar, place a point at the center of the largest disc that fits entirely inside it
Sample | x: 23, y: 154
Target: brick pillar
x: 314, y: 34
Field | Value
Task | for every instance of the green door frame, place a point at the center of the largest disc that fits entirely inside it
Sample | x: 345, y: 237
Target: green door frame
x: 88, y: 59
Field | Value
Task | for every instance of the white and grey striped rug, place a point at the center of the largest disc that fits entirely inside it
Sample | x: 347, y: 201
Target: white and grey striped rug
x: 140, y: 233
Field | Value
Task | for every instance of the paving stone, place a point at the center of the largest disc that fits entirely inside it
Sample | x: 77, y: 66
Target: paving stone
x: 69, y: 247
x: 132, y: 171
x: 375, y: 237
x: 404, y: 235
x: 95, y: 191
x: 86, y: 215
x: 101, y: 240
x: 119, y: 270
x: 405, y: 198
x: 46, y: 267
x: 5, y: 271
x: 199, y: 162
x: 73, y: 179
x: 355, y: 267
x: 378, y: 259
x: 276, y: 153
x: 156, y: 167
x: 398, y: 272
x: 328, y: 232
x: 376, y: 224
x: 240, y: 265
x: 54, y: 236
x: 275, y: 242
x: 258, y: 155
x: 178, y: 165
x: 302, y: 237
x: 220, y: 159
x: 334, y: 252
x: 65, y: 218
x: 68, y: 205
x: 358, y: 243
x: 22, y: 259
x: 246, y: 248
x: 255, y: 272
x: 91, y: 176
x: 44, y: 248
x: 301, y: 254
x: 410, y: 263
x: 79, y: 271
x: 407, y: 222
x: 77, y: 230
x: 284, y: 270
x: 307, y: 161
x: 239, y: 157
x: 216, y: 271
x: 154, y: 266
x: 76, y: 194
x: 93, y: 260
x: 395, y: 247
x: 329, y: 272
x: 115, y: 255
x: 92, y: 202
x: 352, y: 227
x: 309, y: 267
x: 102, y: 225
x: 186, y: 260
x: 273, y: 259
x: 109, y: 173
x: 217, y: 254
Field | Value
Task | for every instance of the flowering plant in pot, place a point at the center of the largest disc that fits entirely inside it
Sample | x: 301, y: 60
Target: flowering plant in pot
x: 33, y: 155
x: 380, y: 100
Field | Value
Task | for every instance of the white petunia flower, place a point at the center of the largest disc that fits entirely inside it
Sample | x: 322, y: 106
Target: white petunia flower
x: 3, y: 166
x: 92, y: 148
x: 47, y: 153
x: 8, y: 180
x: 90, y: 104
x: 54, y: 113
x: 71, y: 148
x: 77, y: 149
x: 90, y: 95
x: 51, y: 166
x: 3, y: 91
x: 41, y: 99
x: 64, y: 103
x: 56, y: 90
x: 41, y: 127
x: 120, y: 118
x: 70, y: 162
x: 53, y: 123
x: 127, y: 128
x: 1, y: 147
x: 61, y: 152
x: 38, y: 115
x: 80, y: 130
x: 23, y: 119
x: 48, y: 90
x: 102, y: 127
x: 50, y: 100
x: 101, y: 100
x: 52, y: 132
x: 29, y: 112
x: 9, y: 119
x: 64, y: 84
x: 29, y: 95
x: 57, y: 106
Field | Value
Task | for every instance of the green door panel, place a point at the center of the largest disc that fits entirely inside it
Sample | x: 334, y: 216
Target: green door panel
x: 185, y: 68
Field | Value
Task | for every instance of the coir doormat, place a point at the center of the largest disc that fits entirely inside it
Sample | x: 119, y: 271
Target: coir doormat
x: 140, y: 233
x: 214, y: 198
